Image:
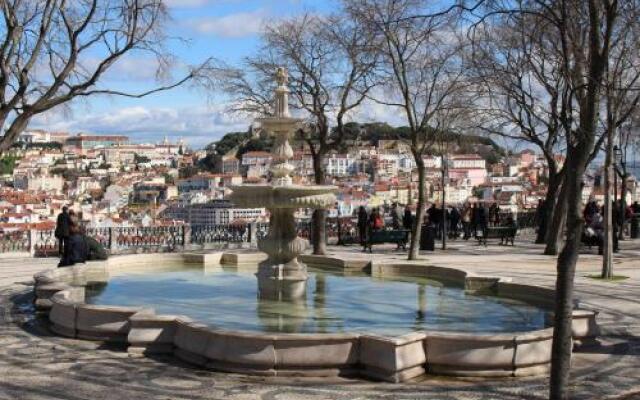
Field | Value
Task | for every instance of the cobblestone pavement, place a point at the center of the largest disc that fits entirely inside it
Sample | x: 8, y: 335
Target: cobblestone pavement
x: 34, y: 364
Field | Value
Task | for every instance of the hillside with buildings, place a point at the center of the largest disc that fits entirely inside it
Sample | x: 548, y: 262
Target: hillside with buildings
x: 111, y: 181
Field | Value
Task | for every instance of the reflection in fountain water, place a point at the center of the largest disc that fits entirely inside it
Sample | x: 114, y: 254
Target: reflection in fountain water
x: 332, y: 302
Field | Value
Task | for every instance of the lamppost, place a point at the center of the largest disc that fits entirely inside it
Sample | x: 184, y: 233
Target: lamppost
x: 620, y: 159
x: 615, y: 173
x: 445, y: 176
x: 339, y: 225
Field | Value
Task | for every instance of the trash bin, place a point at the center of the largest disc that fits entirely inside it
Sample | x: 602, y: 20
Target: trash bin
x: 428, y: 238
x: 635, y: 226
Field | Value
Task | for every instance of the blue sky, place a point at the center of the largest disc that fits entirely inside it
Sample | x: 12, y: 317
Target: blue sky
x: 225, y: 29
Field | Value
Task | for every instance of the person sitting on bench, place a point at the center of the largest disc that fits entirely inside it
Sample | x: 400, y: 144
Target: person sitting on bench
x: 76, y: 250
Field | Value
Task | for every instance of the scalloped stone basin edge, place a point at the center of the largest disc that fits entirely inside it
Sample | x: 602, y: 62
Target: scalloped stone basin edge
x: 61, y: 293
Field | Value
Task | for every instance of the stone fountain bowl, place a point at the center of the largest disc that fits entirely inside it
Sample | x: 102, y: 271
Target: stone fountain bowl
x: 292, y: 196
x: 279, y: 124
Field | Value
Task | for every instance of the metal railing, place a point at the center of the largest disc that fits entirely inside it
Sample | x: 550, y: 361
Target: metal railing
x: 120, y: 240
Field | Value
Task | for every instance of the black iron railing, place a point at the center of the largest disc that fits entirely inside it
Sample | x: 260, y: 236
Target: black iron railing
x: 170, y: 238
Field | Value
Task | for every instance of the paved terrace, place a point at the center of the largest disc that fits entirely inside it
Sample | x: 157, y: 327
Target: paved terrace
x: 34, y: 364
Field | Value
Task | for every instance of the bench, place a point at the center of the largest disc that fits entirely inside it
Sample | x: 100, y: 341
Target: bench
x: 399, y: 236
x: 506, y: 234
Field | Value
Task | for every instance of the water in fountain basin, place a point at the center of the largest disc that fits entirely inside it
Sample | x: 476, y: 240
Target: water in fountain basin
x: 227, y: 298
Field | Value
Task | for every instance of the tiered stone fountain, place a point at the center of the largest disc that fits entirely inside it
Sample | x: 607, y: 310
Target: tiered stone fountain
x: 282, y: 276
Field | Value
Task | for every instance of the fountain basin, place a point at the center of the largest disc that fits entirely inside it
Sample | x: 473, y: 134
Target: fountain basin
x: 367, y: 354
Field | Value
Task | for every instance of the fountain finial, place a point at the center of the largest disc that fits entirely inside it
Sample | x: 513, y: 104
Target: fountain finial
x: 282, y: 93
x: 282, y: 77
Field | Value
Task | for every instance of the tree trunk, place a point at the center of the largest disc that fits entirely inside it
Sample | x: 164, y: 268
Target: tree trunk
x: 556, y: 228
x: 15, y: 129
x: 566, y: 267
x: 319, y: 218
x: 416, y: 230
x: 607, y: 245
x: 550, y: 201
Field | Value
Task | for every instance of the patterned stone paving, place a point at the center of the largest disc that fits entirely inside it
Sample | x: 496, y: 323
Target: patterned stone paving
x: 34, y: 364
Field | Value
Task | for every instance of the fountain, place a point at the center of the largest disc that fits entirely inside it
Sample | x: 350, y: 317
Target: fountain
x: 376, y: 323
x: 282, y: 276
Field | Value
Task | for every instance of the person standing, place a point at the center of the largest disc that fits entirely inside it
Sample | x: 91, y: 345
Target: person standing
x: 466, y: 220
x: 541, y: 221
x: 396, y: 216
x: 475, y: 219
x: 494, y: 216
x: 76, y: 249
x: 363, y: 219
x: 483, y: 219
x: 376, y: 221
x: 454, y: 221
x: 62, y: 230
x: 407, y: 219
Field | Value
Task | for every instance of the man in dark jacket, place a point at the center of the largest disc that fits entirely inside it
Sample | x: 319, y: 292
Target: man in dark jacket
x: 62, y: 230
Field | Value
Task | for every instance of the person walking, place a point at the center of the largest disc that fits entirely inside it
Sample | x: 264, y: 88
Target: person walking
x: 61, y: 232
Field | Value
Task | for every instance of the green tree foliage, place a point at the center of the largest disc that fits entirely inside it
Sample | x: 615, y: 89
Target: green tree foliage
x: 229, y: 142
x: 372, y: 133
x: 7, y: 164
x: 188, y: 172
x: 140, y: 158
x: 169, y: 179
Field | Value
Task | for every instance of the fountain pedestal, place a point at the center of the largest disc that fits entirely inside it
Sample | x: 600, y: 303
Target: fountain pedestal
x: 283, y: 246
x: 282, y: 276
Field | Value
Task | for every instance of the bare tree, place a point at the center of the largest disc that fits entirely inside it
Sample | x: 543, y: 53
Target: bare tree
x: 524, y: 96
x: 621, y: 97
x: 55, y: 51
x: 422, y: 72
x: 330, y: 74
x: 585, y: 30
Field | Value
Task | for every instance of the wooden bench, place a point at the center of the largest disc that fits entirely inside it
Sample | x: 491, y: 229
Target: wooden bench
x: 399, y: 236
x: 506, y: 234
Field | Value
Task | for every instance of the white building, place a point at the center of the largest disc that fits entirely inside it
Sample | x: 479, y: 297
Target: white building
x: 39, y: 182
x: 340, y: 165
x: 467, y: 161
x: 207, y: 182
x: 217, y: 212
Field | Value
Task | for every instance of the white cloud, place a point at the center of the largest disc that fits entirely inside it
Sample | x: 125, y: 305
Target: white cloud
x: 371, y: 111
x: 236, y: 25
x: 186, y: 3
x: 197, y: 125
